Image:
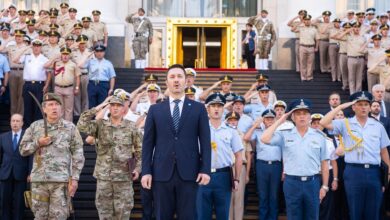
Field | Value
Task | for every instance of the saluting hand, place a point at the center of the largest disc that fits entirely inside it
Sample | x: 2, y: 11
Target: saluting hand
x: 203, y: 179
x: 347, y: 105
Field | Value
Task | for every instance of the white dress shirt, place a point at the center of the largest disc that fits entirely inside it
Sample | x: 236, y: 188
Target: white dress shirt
x: 19, y: 133
x: 172, y: 104
x: 34, y: 67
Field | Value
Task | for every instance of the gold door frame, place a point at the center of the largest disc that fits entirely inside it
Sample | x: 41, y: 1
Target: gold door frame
x: 174, y: 49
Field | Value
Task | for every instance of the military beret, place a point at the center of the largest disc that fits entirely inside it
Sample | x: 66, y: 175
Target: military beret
x: 215, y: 98
x: 30, y: 12
x: 361, y: 96
x: 37, y: 42
x: 52, y: 97
x: 116, y: 100
x: 300, y: 104
x: 20, y: 33
x: 327, y: 13
x: 261, y: 77
x: 82, y: 39
x: 239, y: 98
x: 64, y: 5
x: 78, y: 26
x: 226, y: 78
x: 65, y: 50
x: 230, y: 96
x: 190, y: 71
x: 86, y: 19
x: 316, y: 116
x: 307, y: 17
x: 190, y: 91
x: 96, y: 12
x: 153, y: 87
x: 151, y: 77
x: 22, y: 12
x: 263, y: 88
x: 268, y: 113
x: 376, y: 37
x: 232, y: 115
x: 280, y: 103
x: 72, y: 10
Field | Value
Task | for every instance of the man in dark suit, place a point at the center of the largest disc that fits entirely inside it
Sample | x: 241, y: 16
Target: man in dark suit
x: 376, y: 113
x: 176, y: 150
x: 378, y: 91
x: 13, y: 171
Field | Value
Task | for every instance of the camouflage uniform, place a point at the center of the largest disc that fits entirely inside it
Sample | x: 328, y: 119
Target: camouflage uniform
x: 53, y: 166
x: 265, y: 34
x: 143, y: 33
x: 114, y: 191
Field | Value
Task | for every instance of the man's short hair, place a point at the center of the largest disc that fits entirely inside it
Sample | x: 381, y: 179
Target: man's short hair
x: 334, y: 93
x: 374, y: 101
x: 141, y: 9
x: 249, y: 24
x: 377, y: 87
x: 177, y: 66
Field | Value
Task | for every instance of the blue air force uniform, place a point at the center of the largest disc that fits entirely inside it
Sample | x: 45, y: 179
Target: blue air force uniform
x: 225, y: 141
x: 255, y: 110
x: 362, y: 178
x: 302, y: 157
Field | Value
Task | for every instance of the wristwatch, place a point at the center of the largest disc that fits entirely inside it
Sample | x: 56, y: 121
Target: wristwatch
x: 326, y: 188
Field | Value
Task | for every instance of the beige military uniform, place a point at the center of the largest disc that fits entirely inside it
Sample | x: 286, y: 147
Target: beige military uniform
x: 385, y: 42
x: 307, y: 39
x: 266, y: 35
x: 16, y: 77
x: 18, y: 26
x: 385, y: 73
x: 61, y: 18
x: 323, y: 31
x: 51, y: 51
x: 355, y: 62
x: 143, y: 29
x: 81, y: 99
x: 44, y: 25
x: 68, y: 26
x: 54, y: 165
x: 114, y: 191
x: 100, y: 29
x: 334, y: 54
x: 91, y: 34
x: 296, y: 25
x: 32, y: 35
x: 343, y: 61
x: 64, y: 79
x: 374, y: 55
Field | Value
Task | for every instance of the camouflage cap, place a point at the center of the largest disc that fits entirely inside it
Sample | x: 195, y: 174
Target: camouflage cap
x: 116, y: 100
x: 52, y: 97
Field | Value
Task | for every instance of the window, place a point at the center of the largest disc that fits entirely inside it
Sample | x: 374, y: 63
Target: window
x: 202, y: 8
x: 32, y: 4
x: 239, y: 8
x: 169, y: 8
x: 353, y: 4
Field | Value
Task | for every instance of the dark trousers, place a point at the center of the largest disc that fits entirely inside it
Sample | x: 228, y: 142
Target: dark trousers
x: 147, y: 204
x: 174, y: 196
x: 97, y: 92
x: 31, y: 109
x: 268, y: 178
x: 12, y: 200
x: 302, y: 198
x: 216, y: 194
x: 327, y: 206
x: 340, y: 197
x: 250, y: 58
x: 364, y: 192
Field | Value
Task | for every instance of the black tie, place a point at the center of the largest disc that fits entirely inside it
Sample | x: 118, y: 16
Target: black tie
x: 176, y: 114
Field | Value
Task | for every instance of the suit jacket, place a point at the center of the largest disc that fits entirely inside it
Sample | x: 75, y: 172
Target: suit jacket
x: 386, y: 123
x: 11, y: 162
x: 387, y: 106
x: 189, y: 149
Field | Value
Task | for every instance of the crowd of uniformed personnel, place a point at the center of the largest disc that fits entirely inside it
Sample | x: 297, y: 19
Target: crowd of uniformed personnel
x: 331, y: 164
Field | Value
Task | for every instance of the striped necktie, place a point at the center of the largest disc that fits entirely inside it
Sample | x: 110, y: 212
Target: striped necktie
x: 176, y: 114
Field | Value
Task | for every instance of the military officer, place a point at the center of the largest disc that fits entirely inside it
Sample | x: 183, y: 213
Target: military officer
x: 334, y: 51
x: 256, y: 109
x: 52, y: 51
x: 266, y: 36
x: 375, y: 61
x: 152, y: 91
x: 58, y: 161
x: 293, y: 24
x: 304, y: 153
x: 43, y: 22
x: 370, y: 16
x: 280, y: 108
x: 343, y: 58
x: 31, y: 32
x: 373, y: 30
x: 88, y: 31
x: 225, y: 142
x: 143, y: 29
x: 66, y: 80
x: 119, y: 142
x: 190, y: 80
x: 64, y: 13
x: 384, y: 31
x: 16, y: 74
x: 252, y: 96
x: 225, y: 82
x: 308, y: 45
x: 268, y: 167
x: 245, y: 121
x: 101, y: 76
x: 349, y: 18
x: 100, y: 28
x: 30, y: 15
x: 81, y: 99
x: 324, y: 25
x: 364, y: 143
x: 68, y: 24
x: 21, y: 24
x: 190, y: 93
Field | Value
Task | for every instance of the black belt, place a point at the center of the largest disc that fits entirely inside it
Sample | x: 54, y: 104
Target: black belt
x: 64, y: 86
x: 332, y: 43
x: 305, y: 45
x: 343, y: 53
x: 224, y: 169
x: 97, y: 81
x: 357, y: 57
x: 16, y: 68
x: 326, y: 40
x: 270, y: 162
x: 139, y: 34
x: 34, y: 82
x: 364, y: 165
x: 302, y: 178
x: 83, y: 74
